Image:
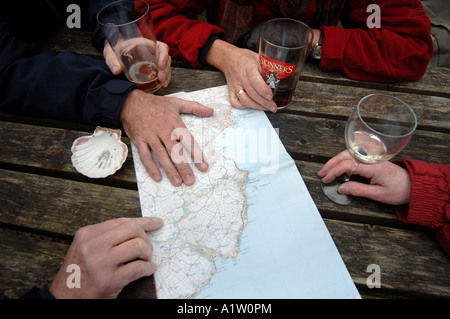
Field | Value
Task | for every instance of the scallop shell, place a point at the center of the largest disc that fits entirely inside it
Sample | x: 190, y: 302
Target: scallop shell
x: 99, y: 155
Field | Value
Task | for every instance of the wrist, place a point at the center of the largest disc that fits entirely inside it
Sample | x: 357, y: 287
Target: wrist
x: 58, y: 288
x: 203, y: 52
x: 135, y: 103
x: 218, y: 53
x: 316, y: 44
x: 128, y: 104
x: 316, y: 36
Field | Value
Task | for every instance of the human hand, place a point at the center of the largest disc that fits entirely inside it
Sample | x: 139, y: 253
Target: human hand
x: 110, y: 256
x: 163, y: 63
x: 241, y: 70
x: 389, y: 183
x: 153, y: 123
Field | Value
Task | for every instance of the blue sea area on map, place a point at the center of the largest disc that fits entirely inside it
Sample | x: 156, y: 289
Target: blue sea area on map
x: 285, y: 250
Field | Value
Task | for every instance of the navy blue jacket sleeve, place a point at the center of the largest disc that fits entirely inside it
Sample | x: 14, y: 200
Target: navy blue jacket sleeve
x: 65, y: 86
x: 38, y: 293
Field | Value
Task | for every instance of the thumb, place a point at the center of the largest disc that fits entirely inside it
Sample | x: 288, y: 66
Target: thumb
x: 359, y: 189
x: 111, y: 59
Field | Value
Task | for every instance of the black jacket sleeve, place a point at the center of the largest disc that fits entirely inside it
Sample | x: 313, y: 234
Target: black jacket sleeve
x: 38, y: 293
x: 65, y: 86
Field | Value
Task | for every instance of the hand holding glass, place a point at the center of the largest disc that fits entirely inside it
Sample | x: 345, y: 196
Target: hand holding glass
x: 128, y: 27
x: 377, y: 130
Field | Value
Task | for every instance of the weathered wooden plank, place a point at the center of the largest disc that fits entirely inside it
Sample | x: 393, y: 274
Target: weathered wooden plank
x: 73, y: 40
x: 318, y: 139
x: 338, y: 101
x: 48, y: 204
x: 411, y: 263
x: 27, y: 261
x: 50, y: 150
x: 435, y: 82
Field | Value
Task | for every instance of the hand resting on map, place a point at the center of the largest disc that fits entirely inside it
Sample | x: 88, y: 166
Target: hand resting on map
x: 105, y: 257
x: 153, y: 124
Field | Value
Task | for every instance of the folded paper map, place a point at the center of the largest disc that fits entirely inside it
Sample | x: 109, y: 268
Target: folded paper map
x: 248, y: 227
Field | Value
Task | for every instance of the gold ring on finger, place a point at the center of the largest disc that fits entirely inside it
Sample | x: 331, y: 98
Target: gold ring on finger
x: 240, y: 92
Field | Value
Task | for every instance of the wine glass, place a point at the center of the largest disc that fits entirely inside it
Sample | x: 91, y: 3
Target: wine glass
x: 378, y: 129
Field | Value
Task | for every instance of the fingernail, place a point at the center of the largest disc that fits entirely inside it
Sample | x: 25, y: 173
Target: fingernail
x: 157, y: 221
x: 273, y: 109
x: 156, y: 177
x: 343, y: 190
x: 188, y: 179
x: 203, y: 166
x: 176, y: 179
x: 268, y: 97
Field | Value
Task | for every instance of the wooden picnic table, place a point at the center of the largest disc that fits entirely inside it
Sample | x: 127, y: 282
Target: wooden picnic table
x: 44, y: 201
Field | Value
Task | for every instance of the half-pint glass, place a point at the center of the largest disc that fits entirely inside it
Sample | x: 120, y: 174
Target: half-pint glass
x: 128, y: 27
x: 283, y: 48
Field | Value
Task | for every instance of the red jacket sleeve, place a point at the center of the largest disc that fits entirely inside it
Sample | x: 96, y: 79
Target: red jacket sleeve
x: 429, y: 204
x: 397, y: 51
x: 177, y: 25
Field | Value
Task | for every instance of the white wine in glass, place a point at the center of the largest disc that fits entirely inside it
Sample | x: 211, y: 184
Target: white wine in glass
x: 378, y: 129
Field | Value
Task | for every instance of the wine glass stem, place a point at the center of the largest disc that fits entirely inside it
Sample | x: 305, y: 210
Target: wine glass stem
x: 347, y: 176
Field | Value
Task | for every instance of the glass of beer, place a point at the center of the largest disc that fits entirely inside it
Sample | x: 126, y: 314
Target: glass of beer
x: 283, y: 47
x: 128, y: 27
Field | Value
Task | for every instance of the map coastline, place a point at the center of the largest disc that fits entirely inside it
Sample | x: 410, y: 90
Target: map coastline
x: 202, y: 221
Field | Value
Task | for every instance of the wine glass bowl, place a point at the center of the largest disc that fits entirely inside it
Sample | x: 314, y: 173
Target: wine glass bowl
x: 379, y: 127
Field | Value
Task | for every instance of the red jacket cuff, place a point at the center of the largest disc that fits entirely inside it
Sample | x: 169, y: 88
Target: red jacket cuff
x: 332, y: 49
x: 429, y: 195
x: 195, y: 39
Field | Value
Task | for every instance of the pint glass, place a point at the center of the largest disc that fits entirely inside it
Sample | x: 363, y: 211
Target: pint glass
x: 128, y: 27
x: 283, y: 48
